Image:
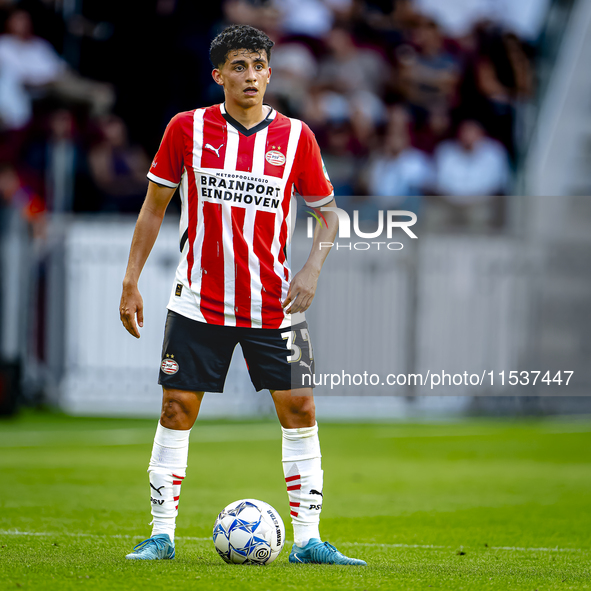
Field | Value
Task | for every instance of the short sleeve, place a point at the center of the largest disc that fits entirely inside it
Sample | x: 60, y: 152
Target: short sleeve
x: 312, y: 181
x: 168, y: 164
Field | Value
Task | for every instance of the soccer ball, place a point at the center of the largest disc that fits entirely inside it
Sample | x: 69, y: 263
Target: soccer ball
x: 248, y: 532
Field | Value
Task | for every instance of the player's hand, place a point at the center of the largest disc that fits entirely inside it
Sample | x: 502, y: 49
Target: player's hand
x: 131, y: 306
x: 301, y: 291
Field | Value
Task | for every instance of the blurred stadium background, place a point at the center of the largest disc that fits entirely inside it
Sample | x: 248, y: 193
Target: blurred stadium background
x: 451, y: 109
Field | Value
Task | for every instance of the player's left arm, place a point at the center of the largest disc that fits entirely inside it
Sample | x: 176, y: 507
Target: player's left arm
x: 313, y: 183
x: 302, y: 288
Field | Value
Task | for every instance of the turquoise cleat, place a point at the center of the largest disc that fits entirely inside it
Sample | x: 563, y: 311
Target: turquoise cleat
x: 317, y: 552
x: 158, y: 547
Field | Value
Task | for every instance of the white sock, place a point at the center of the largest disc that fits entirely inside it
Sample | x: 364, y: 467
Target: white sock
x: 303, y: 477
x: 167, y: 469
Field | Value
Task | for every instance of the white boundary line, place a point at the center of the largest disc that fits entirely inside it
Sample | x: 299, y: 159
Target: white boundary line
x: 131, y: 436
x: 429, y: 546
x: 364, y: 544
x: 123, y: 437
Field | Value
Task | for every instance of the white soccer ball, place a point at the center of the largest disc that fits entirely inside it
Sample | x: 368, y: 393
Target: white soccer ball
x: 248, y: 532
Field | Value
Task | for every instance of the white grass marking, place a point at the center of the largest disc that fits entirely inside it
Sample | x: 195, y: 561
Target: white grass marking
x: 86, y: 535
x: 484, y: 432
x: 223, y: 434
x: 119, y: 437
x: 428, y: 546
x: 376, y: 545
x: 565, y: 429
x: 536, y: 549
x: 194, y: 539
x: 409, y: 435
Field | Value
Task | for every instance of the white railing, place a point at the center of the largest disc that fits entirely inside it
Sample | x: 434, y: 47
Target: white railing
x: 443, y: 303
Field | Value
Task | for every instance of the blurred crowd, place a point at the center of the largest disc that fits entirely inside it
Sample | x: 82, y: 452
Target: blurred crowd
x: 407, y: 98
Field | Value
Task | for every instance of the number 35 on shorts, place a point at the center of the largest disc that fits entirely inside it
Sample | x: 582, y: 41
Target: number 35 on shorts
x: 298, y: 339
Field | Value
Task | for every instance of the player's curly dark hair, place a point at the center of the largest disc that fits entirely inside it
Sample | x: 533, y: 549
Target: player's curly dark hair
x: 238, y: 37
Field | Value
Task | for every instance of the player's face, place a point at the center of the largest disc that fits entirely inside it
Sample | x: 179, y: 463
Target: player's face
x: 244, y: 76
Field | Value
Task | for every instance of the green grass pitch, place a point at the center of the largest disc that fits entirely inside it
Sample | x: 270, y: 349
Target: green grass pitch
x: 476, y: 504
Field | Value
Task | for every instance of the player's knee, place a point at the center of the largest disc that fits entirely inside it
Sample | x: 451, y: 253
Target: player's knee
x: 303, y: 411
x: 175, y: 408
x: 309, y: 414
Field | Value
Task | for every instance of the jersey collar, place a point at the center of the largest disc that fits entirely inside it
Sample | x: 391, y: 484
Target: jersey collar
x: 248, y: 132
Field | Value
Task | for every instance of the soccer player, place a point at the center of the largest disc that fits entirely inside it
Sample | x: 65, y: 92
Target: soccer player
x: 238, y: 165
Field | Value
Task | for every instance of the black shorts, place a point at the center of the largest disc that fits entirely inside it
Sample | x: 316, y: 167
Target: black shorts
x: 196, y: 356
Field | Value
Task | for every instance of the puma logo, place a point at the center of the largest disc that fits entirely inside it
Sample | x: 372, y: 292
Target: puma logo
x: 216, y: 150
x: 304, y: 364
x: 315, y: 492
x: 157, y: 489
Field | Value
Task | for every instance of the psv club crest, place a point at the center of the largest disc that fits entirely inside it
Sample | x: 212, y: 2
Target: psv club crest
x: 275, y: 157
x: 169, y: 366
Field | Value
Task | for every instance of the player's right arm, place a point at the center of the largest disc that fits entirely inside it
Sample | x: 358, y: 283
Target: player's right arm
x: 164, y: 176
x: 144, y: 237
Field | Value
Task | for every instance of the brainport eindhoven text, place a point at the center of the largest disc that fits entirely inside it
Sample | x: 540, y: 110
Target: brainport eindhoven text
x: 393, y: 219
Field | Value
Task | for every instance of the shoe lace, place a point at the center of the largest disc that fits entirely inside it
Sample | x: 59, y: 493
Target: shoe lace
x: 329, y: 547
x: 159, y: 543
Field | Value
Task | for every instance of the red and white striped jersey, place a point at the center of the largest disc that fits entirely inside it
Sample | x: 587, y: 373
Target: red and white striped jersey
x: 237, y: 218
